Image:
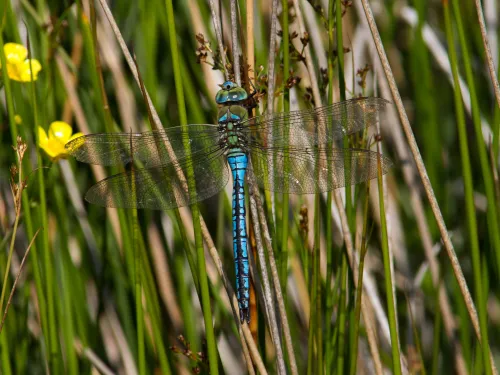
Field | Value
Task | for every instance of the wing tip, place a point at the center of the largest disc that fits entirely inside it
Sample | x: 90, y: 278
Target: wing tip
x: 384, y: 101
x: 91, y: 196
x: 387, y: 164
x: 72, y: 146
x: 101, y: 195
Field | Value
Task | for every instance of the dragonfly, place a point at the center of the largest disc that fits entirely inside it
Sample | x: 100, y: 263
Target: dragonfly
x: 295, y: 152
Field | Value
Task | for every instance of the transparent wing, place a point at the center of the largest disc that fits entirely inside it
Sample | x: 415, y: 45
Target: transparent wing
x: 150, y: 149
x: 298, y: 128
x: 162, y: 188
x: 308, y: 173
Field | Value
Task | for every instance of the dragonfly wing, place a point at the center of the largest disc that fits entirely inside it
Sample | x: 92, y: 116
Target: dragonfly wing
x: 324, y: 125
x: 163, y: 187
x: 148, y: 149
x: 311, y: 172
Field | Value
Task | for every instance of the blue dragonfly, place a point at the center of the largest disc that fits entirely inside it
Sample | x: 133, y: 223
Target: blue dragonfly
x: 295, y: 152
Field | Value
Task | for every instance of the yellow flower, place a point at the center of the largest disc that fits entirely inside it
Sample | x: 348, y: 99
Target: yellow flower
x: 53, y: 144
x: 15, y: 53
x: 18, y: 119
x: 19, y: 68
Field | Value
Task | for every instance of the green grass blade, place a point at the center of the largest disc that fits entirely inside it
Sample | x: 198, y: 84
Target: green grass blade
x: 492, y: 214
x: 389, y: 288
x: 203, y: 279
x: 469, y: 195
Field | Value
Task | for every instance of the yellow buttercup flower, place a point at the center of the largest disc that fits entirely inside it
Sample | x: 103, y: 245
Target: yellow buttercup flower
x: 19, y: 68
x: 59, y: 134
x: 15, y: 53
x: 21, y: 72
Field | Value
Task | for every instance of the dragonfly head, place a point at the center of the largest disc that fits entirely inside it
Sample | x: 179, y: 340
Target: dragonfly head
x: 230, y: 92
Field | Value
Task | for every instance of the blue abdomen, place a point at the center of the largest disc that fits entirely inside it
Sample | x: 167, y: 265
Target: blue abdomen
x: 238, y: 162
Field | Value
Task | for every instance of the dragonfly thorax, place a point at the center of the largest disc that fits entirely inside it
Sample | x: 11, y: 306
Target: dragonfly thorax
x: 231, y: 127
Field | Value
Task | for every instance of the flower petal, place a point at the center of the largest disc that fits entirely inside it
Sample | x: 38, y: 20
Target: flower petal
x: 55, y: 149
x: 13, y: 72
x: 61, y: 131
x: 42, y: 137
x: 25, y: 69
x: 15, y: 53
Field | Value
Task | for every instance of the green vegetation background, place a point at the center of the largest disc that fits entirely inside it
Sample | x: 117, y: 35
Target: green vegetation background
x: 112, y: 290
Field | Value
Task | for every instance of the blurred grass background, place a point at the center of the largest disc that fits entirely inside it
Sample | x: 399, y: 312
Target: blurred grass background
x: 105, y: 291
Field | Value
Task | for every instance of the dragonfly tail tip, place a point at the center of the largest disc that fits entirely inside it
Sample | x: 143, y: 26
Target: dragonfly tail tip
x: 245, y: 315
